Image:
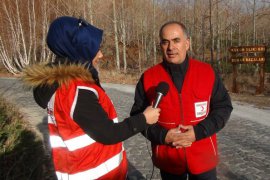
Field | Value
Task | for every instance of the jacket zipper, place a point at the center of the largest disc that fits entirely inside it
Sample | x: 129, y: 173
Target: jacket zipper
x: 182, y: 121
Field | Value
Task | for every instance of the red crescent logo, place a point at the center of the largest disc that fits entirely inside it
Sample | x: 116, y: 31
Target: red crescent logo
x: 202, y: 108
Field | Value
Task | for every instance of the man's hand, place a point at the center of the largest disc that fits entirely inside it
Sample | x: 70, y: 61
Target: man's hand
x: 172, y: 135
x: 183, y: 136
x: 186, y: 138
x: 151, y: 114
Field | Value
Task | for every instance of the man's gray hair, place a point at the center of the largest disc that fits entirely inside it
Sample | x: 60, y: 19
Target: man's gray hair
x: 183, y: 27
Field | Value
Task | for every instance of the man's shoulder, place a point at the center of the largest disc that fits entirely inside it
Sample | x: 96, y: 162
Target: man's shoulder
x: 153, y: 68
x: 197, y: 61
x: 200, y: 63
x: 202, y: 67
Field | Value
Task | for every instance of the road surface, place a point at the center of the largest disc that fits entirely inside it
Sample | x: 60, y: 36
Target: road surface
x: 244, y: 146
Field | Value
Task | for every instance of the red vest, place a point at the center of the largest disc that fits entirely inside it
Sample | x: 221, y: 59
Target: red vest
x: 75, y: 154
x: 188, y: 108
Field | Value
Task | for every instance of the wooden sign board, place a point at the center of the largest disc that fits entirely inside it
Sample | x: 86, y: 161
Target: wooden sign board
x: 243, y: 60
x: 248, y: 54
x: 247, y: 49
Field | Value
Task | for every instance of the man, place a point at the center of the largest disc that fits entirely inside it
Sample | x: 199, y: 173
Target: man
x: 196, y: 107
x: 85, y: 135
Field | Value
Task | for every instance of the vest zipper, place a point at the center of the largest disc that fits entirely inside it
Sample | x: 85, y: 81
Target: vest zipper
x: 182, y: 121
x: 181, y: 108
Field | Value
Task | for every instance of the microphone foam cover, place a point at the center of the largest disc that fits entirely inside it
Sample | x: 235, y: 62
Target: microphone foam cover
x: 162, y: 88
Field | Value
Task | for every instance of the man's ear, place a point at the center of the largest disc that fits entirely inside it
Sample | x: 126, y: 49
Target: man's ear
x: 187, y: 44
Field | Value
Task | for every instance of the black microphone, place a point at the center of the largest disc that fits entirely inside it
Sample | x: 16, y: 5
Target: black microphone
x: 161, y: 90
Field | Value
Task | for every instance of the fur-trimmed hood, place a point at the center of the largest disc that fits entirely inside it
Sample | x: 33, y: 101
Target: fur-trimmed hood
x: 41, y: 74
x: 45, y: 79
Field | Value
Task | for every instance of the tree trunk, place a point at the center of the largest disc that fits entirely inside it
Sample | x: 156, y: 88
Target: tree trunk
x: 34, y: 32
x: 124, y: 37
x: 218, y: 38
x: 254, y: 22
x: 239, y: 31
x: 154, y: 33
x: 211, y: 33
x: 44, y: 31
x: 24, y: 60
x: 116, y: 38
x: 139, y: 51
x: 203, y: 39
x: 90, y: 11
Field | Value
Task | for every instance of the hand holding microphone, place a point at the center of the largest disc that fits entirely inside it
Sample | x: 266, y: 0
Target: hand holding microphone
x: 161, y: 90
x: 152, y: 113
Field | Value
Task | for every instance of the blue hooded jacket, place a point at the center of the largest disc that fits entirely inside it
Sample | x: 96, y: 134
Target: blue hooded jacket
x: 74, y: 39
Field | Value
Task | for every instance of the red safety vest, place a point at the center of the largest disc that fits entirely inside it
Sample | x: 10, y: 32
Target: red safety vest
x: 76, y: 155
x: 187, y: 108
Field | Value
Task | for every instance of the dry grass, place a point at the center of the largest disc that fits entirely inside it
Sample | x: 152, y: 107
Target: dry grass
x: 247, y: 84
x: 22, y: 154
x: 118, y: 77
x: 259, y: 101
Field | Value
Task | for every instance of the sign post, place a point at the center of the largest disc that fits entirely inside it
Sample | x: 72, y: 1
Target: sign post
x: 247, y: 55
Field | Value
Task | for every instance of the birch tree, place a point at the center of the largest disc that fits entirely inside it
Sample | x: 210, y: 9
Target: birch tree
x: 218, y: 36
x: 211, y: 33
x: 123, y: 27
x: 154, y: 33
x: 117, y: 59
x: 131, y: 26
x: 254, y: 21
x: 90, y: 11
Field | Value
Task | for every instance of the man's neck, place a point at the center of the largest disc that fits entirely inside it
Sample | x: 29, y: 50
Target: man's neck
x: 176, y: 67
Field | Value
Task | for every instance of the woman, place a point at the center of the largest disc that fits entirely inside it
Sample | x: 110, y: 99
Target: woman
x: 85, y: 135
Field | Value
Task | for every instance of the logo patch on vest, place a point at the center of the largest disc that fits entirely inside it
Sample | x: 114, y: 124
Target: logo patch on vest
x: 200, y: 109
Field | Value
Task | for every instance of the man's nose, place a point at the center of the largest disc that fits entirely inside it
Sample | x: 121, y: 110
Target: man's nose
x: 170, y: 46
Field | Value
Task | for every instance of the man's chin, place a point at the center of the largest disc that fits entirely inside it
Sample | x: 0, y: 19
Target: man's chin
x: 173, y: 60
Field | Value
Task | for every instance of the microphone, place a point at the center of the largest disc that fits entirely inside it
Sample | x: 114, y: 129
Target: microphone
x: 161, y: 90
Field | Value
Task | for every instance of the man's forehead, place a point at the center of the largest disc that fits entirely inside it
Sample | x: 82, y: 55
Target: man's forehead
x: 172, y: 31
x: 170, y: 39
x: 171, y: 27
x: 172, y: 35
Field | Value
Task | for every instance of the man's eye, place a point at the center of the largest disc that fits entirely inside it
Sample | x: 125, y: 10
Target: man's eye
x: 176, y: 40
x: 164, y: 42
